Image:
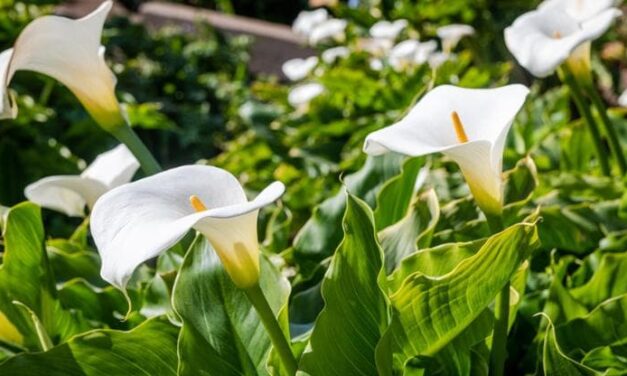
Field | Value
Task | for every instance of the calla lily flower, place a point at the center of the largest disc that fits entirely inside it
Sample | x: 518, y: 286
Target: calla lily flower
x: 542, y: 40
x: 306, y: 21
x: 468, y: 125
x: 138, y: 221
x: 70, y: 52
x: 332, y: 29
x: 70, y: 194
x: 438, y: 58
x: 387, y: 30
x: 424, y: 51
x: 297, y: 69
x: 330, y: 55
x: 403, y: 54
x: 375, y: 47
x: 303, y: 94
x: 580, y: 10
x: 452, y: 34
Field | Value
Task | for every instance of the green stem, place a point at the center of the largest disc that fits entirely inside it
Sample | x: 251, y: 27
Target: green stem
x: 499, y: 335
x: 498, y: 353
x: 281, y: 345
x: 577, y: 95
x: 128, y: 137
x: 615, y: 146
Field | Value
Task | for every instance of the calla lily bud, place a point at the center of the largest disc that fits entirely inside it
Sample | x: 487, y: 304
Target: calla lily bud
x: 468, y: 125
x: 70, y: 52
x: 138, y: 221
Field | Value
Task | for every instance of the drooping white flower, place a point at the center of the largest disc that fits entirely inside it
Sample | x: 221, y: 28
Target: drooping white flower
x: 136, y: 222
x: 542, y: 40
x: 452, y: 34
x: 330, y: 55
x: 68, y: 51
x: 297, y: 69
x: 468, y: 125
x: 303, y: 94
x: 306, y: 21
x: 70, y: 194
x: 387, y: 30
x: 375, y: 64
x: 332, y: 29
x: 580, y: 10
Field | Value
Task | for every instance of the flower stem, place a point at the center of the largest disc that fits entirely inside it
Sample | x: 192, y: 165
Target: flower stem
x: 281, y: 345
x: 615, y: 146
x: 128, y: 137
x: 578, y: 97
x: 498, y: 353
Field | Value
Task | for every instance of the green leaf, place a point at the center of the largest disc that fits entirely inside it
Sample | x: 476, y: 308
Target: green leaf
x: 429, y: 312
x: 395, y: 196
x: 26, y: 277
x: 355, y: 314
x: 322, y: 233
x: 609, y: 280
x: 222, y: 333
x: 555, y: 362
x: 149, y: 349
x: 412, y: 232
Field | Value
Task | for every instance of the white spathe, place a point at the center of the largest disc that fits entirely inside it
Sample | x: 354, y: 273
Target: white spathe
x: 542, y: 40
x: 452, y: 34
x: 387, y: 30
x: 438, y: 58
x: 70, y: 194
x: 68, y: 51
x: 424, y: 51
x: 403, y: 54
x: 306, y: 21
x: 297, y: 69
x: 138, y: 221
x: 303, y: 94
x: 580, y: 10
x: 331, y: 29
x: 486, y: 115
x: 330, y: 55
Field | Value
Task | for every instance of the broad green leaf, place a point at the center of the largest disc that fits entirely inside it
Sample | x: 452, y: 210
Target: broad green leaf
x: 604, y: 358
x: 412, y: 232
x: 609, y: 280
x: 71, y: 260
x: 355, y: 314
x: 26, y: 277
x: 555, y: 362
x: 395, y: 196
x: 222, y: 333
x: 572, y: 228
x: 604, y: 326
x: 322, y: 233
x: 560, y: 305
x: 436, y: 261
x: 149, y: 349
x: 429, y: 312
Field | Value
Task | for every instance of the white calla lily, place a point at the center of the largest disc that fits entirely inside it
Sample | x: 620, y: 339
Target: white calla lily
x: 136, y: 222
x: 542, y: 40
x: 297, y: 69
x: 330, y: 55
x: 438, y: 58
x: 403, y: 54
x: 580, y: 10
x: 301, y: 95
x: 332, y: 29
x: 388, y: 30
x: 468, y: 125
x: 452, y: 34
x: 306, y: 21
x: 70, y: 52
x: 70, y: 194
x: 424, y: 51
x: 375, y: 47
